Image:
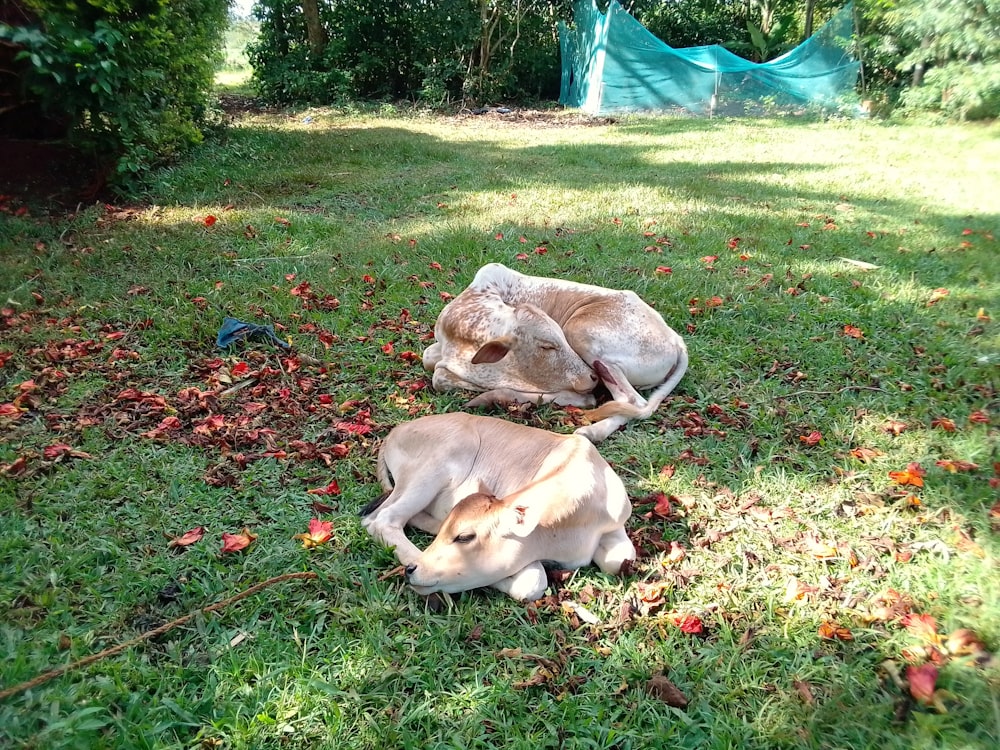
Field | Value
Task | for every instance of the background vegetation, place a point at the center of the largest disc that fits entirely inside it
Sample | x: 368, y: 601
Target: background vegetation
x: 837, y: 286
x: 131, y: 82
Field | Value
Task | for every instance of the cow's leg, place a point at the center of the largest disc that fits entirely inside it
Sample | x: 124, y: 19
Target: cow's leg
x: 525, y: 585
x: 425, y: 522
x: 387, y: 521
x: 599, y: 431
x: 613, y: 549
x: 432, y: 355
x: 446, y: 380
x: 616, y: 381
x: 504, y: 396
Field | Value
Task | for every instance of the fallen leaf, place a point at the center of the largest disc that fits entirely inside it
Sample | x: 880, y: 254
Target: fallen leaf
x: 209, y: 220
x: 664, y: 690
x: 187, y: 538
x: 321, y: 507
x: 675, y: 555
x: 832, y: 631
x: 922, y: 626
x: 61, y: 450
x: 895, y: 427
x: 819, y: 549
x: 963, y: 642
x: 979, y: 417
x: 854, y: 332
x: 937, y: 295
x: 805, y: 691
x: 913, y: 475
x: 943, y: 423
x: 690, y: 624
x: 864, y: 455
x: 813, y: 438
x: 922, y: 680
x: 320, y: 532
x: 331, y: 489
x: 237, y: 542
x: 956, y: 465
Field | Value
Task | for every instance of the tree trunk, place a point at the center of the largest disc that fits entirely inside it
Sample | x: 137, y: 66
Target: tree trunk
x: 314, y: 29
x: 810, y: 11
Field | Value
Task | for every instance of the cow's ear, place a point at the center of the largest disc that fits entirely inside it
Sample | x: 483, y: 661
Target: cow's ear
x: 485, y: 490
x: 490, y: 352
x: 518, y: 520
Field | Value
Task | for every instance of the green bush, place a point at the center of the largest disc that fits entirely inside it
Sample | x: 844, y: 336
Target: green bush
x: 437, y: 51
x: 131, y: 79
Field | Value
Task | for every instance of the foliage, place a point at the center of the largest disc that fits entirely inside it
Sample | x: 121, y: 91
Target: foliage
x: 439, y: 51
x: 958, y: 41
x: 816, y: 503
x: 130, y: 79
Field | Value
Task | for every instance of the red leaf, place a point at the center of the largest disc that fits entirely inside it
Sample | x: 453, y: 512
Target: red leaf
x: 979, y: 417
x: 923, y: 626
x: 690, y: 624
x: 188, y: 538
x: 937, y: 295
x: 331, y: 489
x: 320, y: 532
x: 664, y: 270
x: 853, y: 332
x: 913, y: 475
x: 282, y: 220
x: 956, y: 465
x: 209, y: 220
x: 832, y: 631
x: 943, y: 423
x: 813, y: 438
x: 895, y: 427
x: 11, y: 411
x: 922, y: 681
x: 866, y: 454
x: 236, y: 542
x: 59, y: 450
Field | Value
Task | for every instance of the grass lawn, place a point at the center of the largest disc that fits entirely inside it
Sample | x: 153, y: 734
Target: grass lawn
x: 816, y: 505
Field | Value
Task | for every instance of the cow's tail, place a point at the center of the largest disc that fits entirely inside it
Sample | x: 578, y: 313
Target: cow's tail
x: 385, y: 479
x: 630, y: 411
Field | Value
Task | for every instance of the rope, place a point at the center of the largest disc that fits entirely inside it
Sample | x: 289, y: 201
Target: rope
x: 52, y: 674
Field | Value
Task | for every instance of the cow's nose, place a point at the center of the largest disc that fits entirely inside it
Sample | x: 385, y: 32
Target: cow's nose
x: 409, y: 570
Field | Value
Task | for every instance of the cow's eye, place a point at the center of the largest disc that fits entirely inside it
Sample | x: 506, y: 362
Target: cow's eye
x: 464, y: 538
x: 549, y: 347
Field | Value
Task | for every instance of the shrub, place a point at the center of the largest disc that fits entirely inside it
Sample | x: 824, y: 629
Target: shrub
x: 132, y: 79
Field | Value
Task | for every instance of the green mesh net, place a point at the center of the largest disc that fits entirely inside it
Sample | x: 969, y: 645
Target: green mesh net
x: 611, y: 63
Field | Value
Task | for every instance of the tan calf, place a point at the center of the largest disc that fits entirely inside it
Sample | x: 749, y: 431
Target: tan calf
x: 501, y: 498
x: 515, y: 337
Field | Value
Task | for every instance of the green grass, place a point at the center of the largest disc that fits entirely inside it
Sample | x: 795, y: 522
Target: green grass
x: 354, y: 659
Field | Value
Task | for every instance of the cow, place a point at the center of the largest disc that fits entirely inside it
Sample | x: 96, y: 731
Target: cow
x: 518, y: 338
x: 500, y: 498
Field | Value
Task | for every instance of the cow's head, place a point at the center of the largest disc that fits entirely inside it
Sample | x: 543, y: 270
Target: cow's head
x: 534, y: 357
x: 483, y: 540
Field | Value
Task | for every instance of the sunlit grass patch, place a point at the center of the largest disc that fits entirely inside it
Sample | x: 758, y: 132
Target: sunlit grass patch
x: 773, y: 532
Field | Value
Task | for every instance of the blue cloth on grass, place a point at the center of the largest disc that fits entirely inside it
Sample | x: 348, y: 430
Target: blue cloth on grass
x: 234, y: 330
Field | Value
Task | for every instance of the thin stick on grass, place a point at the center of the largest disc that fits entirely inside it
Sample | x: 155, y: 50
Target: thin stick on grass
x: 166, y: 627
x: 834, y: 393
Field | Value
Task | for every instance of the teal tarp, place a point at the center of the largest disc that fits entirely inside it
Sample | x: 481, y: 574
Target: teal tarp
x: 611, y: 63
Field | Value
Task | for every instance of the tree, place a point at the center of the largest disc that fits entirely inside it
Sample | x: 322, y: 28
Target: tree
x: 952, y: 50
x: 131, y: 80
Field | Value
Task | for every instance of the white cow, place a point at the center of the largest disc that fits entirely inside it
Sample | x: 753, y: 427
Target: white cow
x: 501, y: 498
x: 515, y: 337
